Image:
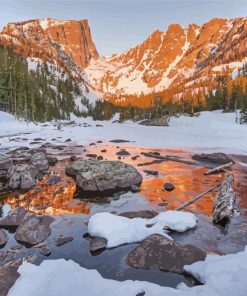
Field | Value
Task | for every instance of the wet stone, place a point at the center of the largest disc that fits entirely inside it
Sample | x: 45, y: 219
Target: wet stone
x: 63, y: 240
x: 169, y: 187
x: 3, y: 238
x: 97, y: 243
x: 151, y: 172
x: 40, y: 161
x: 45, y: 251
x: 123, y: 153
x: 217, y: 158
x: 14, y: 218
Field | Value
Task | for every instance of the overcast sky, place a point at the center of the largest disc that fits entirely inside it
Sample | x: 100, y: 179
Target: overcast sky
x: 118, y: 25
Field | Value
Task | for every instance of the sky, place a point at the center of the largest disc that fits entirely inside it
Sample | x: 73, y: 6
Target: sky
x: 121, y: 24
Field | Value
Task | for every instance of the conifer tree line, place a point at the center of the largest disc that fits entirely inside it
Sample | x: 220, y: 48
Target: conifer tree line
x: 37, y: 94
x: 43, y: 94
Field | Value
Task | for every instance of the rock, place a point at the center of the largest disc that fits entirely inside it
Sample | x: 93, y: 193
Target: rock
x: 40, y: 161
x: 157, y: 252
x: 3, y: 238
x: 52, y: 160
x: 218, y: 158
x: 101, y: 177
x: 135, y: 157
x: 45, y: 251
x: 33, y: 229
x: 91, y: 155
x: 23, y: 176
x: 8, y: 275
x: 123, y: 152
x: 100, y: 157
x: 223, y: 207
x: 162, y: 121
x: 151, y: 172
x: 92, y: 144
x: 5, y: 163
x: 14, y: 218
x: 54, y: 179
x: 103, y: 150
x: 73, y: 158
x: 99, y: 125
x: 97, y: 243
x: 38, y: 139
x: 135, y: 188
x: 63, y: 240
x: 146, y: 214
x: 119, y: 141
x: 67, y: 140
x: 169, y: 187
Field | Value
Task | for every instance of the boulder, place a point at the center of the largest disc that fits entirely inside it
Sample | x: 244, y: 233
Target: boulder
x: 96, y: 177
x: 5, y: 165
x: 39, y: 160
x: 3, y: 238
x: 52, y: 160
x: 33, y: 229
x: 162, y: 121
x: 157, y: 252
x: 217, y: 158
x: 23, y: 176
x: 14, y: 218
x: 54, y: 178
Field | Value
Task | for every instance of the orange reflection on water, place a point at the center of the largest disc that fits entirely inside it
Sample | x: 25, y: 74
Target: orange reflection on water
x: 188, y: 180
x: 53, y: 199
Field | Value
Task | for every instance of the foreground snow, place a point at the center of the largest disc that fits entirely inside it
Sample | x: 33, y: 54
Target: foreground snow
x: 211, y: 131
x: 121, y: 230
x: 221, y: 275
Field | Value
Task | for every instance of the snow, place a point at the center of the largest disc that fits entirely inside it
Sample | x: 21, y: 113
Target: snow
x: 221, y: 275
x: 210, y: 132
x: 10, y: 125
x: 121, y: 230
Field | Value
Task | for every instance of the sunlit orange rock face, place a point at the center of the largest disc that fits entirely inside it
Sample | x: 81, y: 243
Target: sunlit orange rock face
x: 177, y: 58
x: 63, y: 42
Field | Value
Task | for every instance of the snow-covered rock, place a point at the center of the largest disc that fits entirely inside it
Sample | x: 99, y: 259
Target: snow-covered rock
x: 121, y: 230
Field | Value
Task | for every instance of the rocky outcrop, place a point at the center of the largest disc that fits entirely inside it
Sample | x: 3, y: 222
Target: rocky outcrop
x: 217, y: 158
x: 156, y: 252
x: 94, y: 177
x: 23, y: 176
x: 162, y: 121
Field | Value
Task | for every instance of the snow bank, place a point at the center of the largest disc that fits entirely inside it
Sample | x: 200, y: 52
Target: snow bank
x: 10, y: 125
x: 221, y: 275
x: 210, y: 132
x: 121, y: 230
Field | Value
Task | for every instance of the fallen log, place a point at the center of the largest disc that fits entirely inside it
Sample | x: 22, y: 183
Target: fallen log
x: 219, y: 168
x: 223, y: 207
x: 195, y: 198
x: 174, y: 158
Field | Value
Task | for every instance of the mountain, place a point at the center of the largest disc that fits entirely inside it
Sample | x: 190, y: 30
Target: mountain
x: 178, y: 63
x: 179, y: 59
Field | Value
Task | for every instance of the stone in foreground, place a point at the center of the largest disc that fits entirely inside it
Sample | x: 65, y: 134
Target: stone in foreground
x: 3, y: 238
x: 156, y: 252
x: 14, y: 218
x: 96, y: 177
x: 33, y: 229
x: 23, y: 176
x: 217, y: 158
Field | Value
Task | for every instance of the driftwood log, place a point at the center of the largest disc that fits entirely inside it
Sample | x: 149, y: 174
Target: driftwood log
x: 195, y: 198
x: 219, y: 168
x: 223, y: 207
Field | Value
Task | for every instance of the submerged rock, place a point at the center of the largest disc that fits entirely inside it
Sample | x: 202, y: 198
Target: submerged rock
x: 100, y: 177
x: 223, y: 207
x: 218, y: 158
x: 63, y: 240
x: 169, y: 187
x: 146, y: 214
x: 14, y: 218
x: 45, y: 251
x: 157, y: 252
x: 33, y: 229
x: 97, y: 243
